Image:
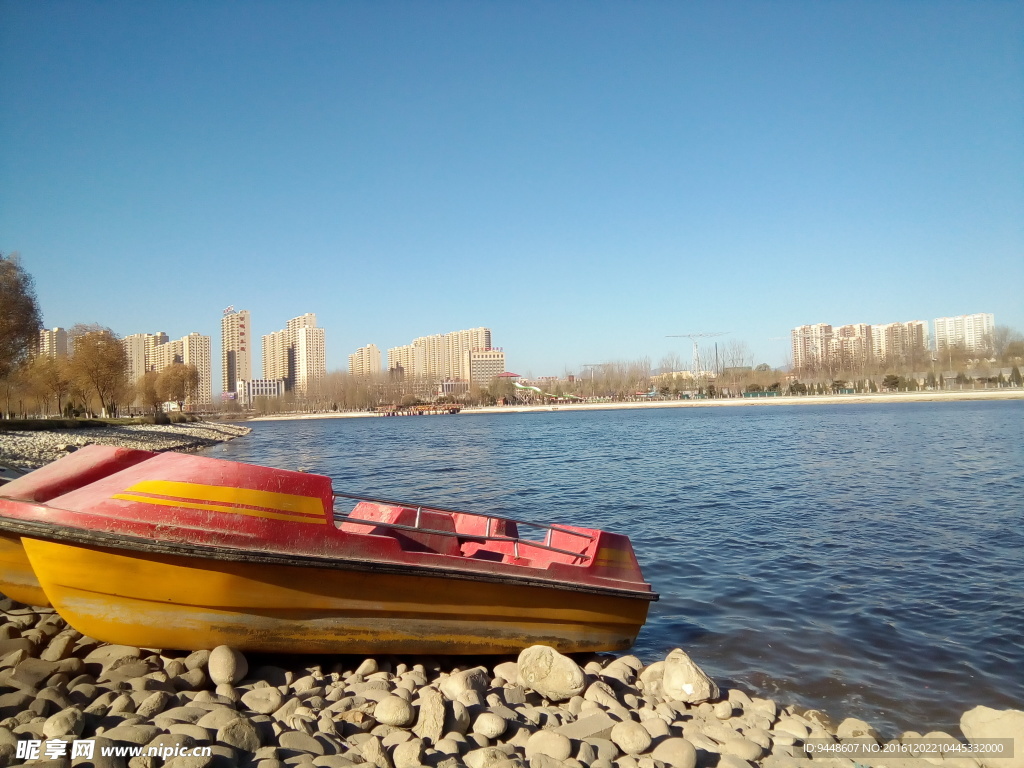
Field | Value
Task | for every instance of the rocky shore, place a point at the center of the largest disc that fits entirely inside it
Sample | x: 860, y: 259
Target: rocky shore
x: 30, y: 450
x: 543, y: 709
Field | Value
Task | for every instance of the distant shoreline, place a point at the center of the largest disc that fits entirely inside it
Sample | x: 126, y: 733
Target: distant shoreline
x: 886, y: 397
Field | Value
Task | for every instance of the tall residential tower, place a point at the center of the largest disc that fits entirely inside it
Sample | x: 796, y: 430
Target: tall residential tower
x: 236, y: 348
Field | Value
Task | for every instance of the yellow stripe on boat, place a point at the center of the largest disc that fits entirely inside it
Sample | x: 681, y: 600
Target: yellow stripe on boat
x: 175, y: 601
x: 222, y: 498
x: 17, y: 579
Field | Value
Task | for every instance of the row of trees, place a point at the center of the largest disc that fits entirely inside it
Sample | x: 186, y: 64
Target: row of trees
x: 94, y: 379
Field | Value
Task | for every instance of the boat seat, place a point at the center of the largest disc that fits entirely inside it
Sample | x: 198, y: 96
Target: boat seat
x: 421, y: 540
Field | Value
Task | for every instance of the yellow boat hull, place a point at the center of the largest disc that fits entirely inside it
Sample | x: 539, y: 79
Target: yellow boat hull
x: 160, y: 600
x: 17, y: 579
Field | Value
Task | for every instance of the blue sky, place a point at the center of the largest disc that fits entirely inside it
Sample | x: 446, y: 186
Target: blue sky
x: 583, y: 178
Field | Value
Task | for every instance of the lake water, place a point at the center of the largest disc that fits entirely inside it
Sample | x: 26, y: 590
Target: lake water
x: 866, y: 560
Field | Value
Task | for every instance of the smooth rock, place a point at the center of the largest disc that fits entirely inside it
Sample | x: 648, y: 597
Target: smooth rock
x: 631, y: 737
x: 490, y: 725
x: 226, y: 665
x: 852, y: 728
x: 67, y: 722
x: 742, y: 748
x: 394, y: 710
x: 675, y: 752
x: 264, y: 701
x: 454, y: 685
x: 685, y: 681
x: 300, y: 742
x: 987, y: 723
x: 240, y: 734
x: 408, y: 754
x: 549, y: 743
x: 549, y: 673
x: 507, y: 671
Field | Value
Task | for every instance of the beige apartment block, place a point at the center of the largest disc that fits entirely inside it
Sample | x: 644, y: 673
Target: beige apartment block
x: 810, y: 344
x: 54, y: 342
x: 141, y: 351
x: 902, y: 343
x: 296, y: 354
x: 440, y: 357
x: 365, y: 361
x: 482, y: 365
x: 972, y: 332
x: 236, y: 348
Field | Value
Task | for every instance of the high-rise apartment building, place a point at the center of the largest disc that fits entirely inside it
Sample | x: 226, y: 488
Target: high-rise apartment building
x: 54, y: 342
x: 296, y: 354
x: 810, y: 345
x: 365, y: 361
x: 141, y: 351
x: 974, y: 333
x: 482, y: 365
x: 439, y: 357
x: 275, y: 355
x: 823, y: 348
x: 236, y: 348
x: 310, y: 358
x: 904, y: 343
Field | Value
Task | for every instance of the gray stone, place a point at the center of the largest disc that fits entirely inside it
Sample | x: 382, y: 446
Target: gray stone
x: 742, y: 748
x: 408, y: 754
x: 263, y: 700
x: 217, y: 718
x: 154, y: 704
x: 67, y: 722
x: 474, y: 679
x: 199, y: 735
x: 548, y: 743
x: 685, y: 681
x: 300, y: 742
x: 133, y: 734
x: 549, y: 673
x: 226, y: 665
x: 793, y: 727
x: 395, y: 711
x: 456, y: 718
x: 852, y: 728
x: 987, y: 723
x: 595, y: 726
x: 733, y: 761
x: 507, y: 671
x: 631, y: 737
x: 430, y: 721
x: 677, y: 753
x: 240, y: 734
x: 373, y: 752
x: 490, y: 725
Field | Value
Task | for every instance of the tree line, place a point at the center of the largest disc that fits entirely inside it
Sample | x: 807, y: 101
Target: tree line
x: 93, y: 379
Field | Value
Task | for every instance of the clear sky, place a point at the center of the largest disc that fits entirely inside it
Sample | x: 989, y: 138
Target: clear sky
x: 584, y: 178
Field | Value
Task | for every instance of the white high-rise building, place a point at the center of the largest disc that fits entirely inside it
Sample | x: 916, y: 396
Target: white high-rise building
x: 296, y: 354
x: 365, y: 361
x: 275, y: 355
x: 902, y: 343
x: 236, y: 348
x: 810, y: 344
x: 440, y: 357
x: 310, y: 360
x: 141, y: 351
x: 54, y: 342
x: 972, y: 332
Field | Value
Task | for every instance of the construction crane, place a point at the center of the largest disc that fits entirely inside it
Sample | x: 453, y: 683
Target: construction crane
x: 693, y: 337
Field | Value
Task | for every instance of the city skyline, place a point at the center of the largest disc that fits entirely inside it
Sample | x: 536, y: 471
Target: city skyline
x: 584, y: 180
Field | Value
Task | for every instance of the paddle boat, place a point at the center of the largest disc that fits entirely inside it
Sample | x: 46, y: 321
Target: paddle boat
x: 180, y: 551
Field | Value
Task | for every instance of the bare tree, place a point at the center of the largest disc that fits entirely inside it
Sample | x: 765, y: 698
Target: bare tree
x: 149, y: 390
x: 177, y: 383
x: 53, y: 377
x: 101, y: 365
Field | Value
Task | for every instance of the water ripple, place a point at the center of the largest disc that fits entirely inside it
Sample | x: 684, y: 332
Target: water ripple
x: 861, y: 559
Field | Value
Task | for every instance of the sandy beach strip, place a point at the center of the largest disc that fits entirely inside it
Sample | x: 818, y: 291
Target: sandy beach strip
x: 881, y: 397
